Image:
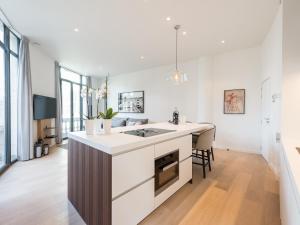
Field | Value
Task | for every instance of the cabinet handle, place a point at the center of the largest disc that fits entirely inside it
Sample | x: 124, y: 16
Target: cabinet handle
x: 169, y: 166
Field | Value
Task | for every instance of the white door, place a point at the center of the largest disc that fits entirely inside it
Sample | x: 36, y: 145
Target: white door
x: 266, y: 100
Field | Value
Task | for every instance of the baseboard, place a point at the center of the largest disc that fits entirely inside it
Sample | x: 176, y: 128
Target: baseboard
x: 275, y: 170
x: 238, y: 150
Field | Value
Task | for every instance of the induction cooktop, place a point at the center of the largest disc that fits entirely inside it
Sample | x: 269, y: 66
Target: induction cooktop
x: 147, y: 132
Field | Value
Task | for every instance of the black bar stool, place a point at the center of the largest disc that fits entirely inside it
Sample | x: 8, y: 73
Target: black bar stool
x: 202, y: 148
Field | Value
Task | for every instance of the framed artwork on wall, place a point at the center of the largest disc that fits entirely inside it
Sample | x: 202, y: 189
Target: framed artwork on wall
x: 234, y: 101
x: 131, y: 102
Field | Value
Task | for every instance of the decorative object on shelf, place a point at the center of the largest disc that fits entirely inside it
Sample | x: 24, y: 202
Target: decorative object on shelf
x: 176, y: 116
x: 38, y: 149
x: 45, y: 149
x: 131, y: 102
x: 177, y: 76
x: 234, y: 101
x: 107, y: 117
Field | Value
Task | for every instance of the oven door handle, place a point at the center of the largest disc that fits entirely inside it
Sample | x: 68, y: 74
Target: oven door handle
x: 169, y: 166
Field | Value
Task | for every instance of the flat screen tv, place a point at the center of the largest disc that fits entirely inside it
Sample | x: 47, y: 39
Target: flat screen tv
x: 43, y: 107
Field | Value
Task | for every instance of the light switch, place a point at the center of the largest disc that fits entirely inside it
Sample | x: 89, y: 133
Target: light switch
x: 278, y: 137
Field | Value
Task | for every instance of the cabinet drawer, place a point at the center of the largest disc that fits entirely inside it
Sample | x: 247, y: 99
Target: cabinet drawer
x: 184, y: 144
x: 186, y: 171
x: 132, y: 168
x: 134, y: 206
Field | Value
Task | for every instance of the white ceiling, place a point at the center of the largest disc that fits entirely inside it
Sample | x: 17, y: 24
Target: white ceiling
x: 115, y: 33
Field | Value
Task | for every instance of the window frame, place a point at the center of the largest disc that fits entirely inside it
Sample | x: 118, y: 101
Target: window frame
x: 71, y: 96
x: 5, y: 45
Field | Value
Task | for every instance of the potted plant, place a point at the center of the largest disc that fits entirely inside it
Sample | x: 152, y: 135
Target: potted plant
x: 101, y: 93
x: 90, y: 125
x: 107, y: 116
x: 86, y: 93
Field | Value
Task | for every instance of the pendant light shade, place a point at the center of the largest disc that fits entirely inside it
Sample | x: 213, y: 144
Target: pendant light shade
x: 177, y: 76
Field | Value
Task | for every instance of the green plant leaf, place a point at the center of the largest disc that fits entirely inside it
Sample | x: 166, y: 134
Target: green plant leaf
x: 114, y: 114
x: 102, y: 115
x: 108, y: 114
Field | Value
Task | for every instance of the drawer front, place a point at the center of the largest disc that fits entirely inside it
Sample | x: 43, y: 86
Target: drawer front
x: 185, y: 147
x: 134, y: 206
x: 132, y: 168
x: 184, y: 144
x: 185, y: 171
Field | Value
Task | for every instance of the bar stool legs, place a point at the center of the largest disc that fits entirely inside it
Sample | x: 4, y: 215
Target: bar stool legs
x: 204, y: 156
x: 212, y: 153
x: 203, y: 163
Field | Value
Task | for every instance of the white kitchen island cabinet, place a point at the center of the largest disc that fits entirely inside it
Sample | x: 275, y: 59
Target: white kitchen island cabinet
x: 119, y: 179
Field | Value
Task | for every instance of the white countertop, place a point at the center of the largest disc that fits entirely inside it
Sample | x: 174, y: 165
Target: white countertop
x: 117, y: 143
x: 292, y: 158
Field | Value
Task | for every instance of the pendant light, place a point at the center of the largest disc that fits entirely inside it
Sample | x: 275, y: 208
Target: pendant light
x: 177, y: 76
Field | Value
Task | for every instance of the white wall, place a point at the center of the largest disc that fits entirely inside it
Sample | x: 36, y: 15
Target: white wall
x: 291, y: 69
x: 161, y: 96
x: 43, y: 77
x: 201, y: 99
x: 238, y: 70
x: 272, y: 69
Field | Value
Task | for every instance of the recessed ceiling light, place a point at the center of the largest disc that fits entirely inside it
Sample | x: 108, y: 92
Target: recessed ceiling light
x: 76, y: 29
x: 183, y: 32
x: 142, y: 57
x: 223, y: 41
x: 168, y: 18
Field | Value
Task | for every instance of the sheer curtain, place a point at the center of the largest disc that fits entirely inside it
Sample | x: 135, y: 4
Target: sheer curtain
x: 58, y: 120
x: 25, y: 116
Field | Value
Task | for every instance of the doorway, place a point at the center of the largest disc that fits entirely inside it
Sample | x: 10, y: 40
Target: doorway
x: 72, y: 102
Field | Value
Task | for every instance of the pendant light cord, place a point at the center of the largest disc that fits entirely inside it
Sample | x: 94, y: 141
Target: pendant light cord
x: 176, y: 47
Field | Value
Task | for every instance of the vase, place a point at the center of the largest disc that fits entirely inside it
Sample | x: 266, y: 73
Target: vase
x: 89, y: 127
x: 107, y: 126
x: 98, y: 125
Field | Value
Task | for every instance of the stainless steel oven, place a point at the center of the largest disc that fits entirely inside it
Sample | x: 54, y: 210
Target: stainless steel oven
x: 166, y: 171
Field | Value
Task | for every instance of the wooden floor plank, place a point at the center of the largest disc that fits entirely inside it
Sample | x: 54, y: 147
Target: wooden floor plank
x: 240, y: 190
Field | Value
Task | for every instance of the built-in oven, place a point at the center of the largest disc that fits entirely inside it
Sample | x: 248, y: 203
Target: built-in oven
x: 166, y: 171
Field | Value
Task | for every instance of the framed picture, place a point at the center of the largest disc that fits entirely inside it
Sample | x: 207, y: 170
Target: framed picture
x: 234, y: 101
x: 131, y: 102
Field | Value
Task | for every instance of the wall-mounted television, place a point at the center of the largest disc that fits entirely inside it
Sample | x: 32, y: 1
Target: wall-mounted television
x: 43, y: 107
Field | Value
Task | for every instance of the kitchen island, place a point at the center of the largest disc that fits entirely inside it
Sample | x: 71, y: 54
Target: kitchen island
x: 122, y: 177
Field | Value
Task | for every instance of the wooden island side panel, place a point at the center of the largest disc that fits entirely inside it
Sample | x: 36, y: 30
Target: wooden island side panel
x: 90, y: 183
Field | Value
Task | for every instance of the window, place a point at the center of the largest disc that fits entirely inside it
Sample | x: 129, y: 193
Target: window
x: 13, y: 105
x: 69, y: 75
x: 9, y: 53
x: 72, y: 102
x: 1, y: 33
x: 2, y: 110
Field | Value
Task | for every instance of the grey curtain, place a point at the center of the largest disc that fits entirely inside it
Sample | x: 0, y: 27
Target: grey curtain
x: 25, y: 117
x: 58, y: 120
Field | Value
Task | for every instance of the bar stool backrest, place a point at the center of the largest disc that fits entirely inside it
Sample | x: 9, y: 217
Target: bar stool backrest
x: 205, y: 139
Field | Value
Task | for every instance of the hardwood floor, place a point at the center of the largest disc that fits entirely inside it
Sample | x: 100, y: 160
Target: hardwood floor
x: 241, y: 190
